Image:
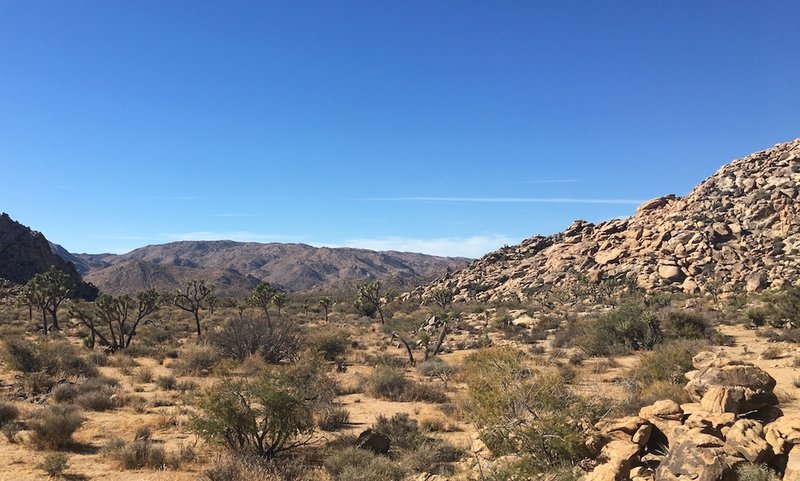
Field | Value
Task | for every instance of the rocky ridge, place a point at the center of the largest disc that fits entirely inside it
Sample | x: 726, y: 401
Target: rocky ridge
x: 738, y: 229
x: 25, y: 253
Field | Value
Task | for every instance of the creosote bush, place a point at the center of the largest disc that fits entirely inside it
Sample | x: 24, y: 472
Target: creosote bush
x: 54, y: 464
x: 332, y: 343
x: 266, y: 415
x: 629, y: 327
x: 197, y: 359
x: 391, y: 383
x: 525, y: 411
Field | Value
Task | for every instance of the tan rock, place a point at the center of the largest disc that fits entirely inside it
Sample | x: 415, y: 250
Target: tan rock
x: 792, y: 471
x: 747, y: 438
x: 666, y: 409
x: 783, y: 433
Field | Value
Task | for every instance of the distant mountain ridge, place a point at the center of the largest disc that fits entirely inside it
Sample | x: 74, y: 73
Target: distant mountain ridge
x: 236, y: 267
x: 737, y: 230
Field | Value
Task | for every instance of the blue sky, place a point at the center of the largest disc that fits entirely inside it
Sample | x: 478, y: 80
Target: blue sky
x: 443, y: 127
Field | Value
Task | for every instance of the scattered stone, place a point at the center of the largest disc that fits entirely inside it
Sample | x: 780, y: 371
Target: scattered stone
x: 373, y: 441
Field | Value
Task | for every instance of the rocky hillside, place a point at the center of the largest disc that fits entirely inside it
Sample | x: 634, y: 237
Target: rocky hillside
x: 738, y: 229
x: 25, y: 253
x: 236, y: 267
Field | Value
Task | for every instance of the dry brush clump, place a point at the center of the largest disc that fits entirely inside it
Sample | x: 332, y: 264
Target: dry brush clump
x: 388, y: 382
x: 52, y: 427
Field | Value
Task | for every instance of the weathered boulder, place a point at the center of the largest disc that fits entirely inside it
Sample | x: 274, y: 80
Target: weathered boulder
x: 373, y: 441
x: 616, y: 460
x: 747, y: 438
x: 783, y: 433
x: 698, y: 457
x: 736, y: 387
x: 792, y: 471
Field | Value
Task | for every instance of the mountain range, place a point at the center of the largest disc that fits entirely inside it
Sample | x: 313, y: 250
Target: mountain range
x: 236, y: 267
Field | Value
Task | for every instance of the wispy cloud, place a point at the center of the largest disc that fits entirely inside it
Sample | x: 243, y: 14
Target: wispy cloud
x: 508, y: 200
x: 549, y: 181
x: 474, y: 247
x: 238, y: 236
x: 169, y: 197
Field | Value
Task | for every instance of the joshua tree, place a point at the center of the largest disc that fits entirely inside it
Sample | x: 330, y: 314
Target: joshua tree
x: 442, y: 297
x: 193, y: 299
x: 325, y: 303
x: 47, y: 291
x: 369, y: 299
x: 279, y: 300
x: 121, y: 316
x: 262, y: 297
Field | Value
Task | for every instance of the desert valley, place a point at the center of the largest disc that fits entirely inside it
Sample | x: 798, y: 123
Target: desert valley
x: 662, y: 346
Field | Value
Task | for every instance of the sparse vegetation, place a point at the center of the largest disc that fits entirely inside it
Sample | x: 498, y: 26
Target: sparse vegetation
x: 53, y: 426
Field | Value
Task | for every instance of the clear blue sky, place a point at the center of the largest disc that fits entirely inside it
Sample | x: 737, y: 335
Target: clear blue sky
x: 442, y: 127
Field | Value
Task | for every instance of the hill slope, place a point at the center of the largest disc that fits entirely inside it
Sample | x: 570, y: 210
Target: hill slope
x: 25, y: 253
x: 738, y: 229
x: 236, y: 267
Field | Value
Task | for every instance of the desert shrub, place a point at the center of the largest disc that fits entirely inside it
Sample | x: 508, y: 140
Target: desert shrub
x: 630, y: 326
x: 386, y: 359
x: 38, y: 382
x: 666, y: 362
x: 144, y: 374
x: 387, y: 382
x: 8, y: 413
x: 786, y: 306
x: 351, y: 464
x: 56, y: 358
x: 95, y: 401
x: 54, y: 464
x: 140, y: 453
x: 754, y: 472
x: 22, y: 355
x: 401, y: 429
x: 266, y: 415
x: 684, y: 324
x: 53, y: 426
x: 757, y: 317
x: 248, y: 468
x: 124, y: 362
x: 333, y: 419
x: 275, y: 340
x: 432, y: 456
x: 391, y: 383
x: 641, y: 396
x: 167, y: 383
x: 198, y: 359
x: 524, y: 411
x: 436, y: 368
x: 332, y: 343
x: 772, y: 352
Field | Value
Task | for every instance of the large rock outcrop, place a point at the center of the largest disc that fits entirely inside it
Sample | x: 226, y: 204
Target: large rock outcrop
x: 25, y: 253
x: 738, y: 229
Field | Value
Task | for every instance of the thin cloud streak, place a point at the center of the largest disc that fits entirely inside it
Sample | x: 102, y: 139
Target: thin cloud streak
x: 509, y: 200
x: 472, y: 247
x: 549, y: 181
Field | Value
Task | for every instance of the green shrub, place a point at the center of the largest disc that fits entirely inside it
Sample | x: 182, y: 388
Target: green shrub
x: 388, y: 383
x: 667, y: 362
x: 56, y: 358
x: 630, y: 326
x: 266, y: 415
x: 550, y: 422
x: 53, y: 426
x: 401, y: 429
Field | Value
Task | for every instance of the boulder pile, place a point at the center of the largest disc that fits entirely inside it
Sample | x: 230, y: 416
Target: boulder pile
x: 734, y: 420
x: 739, y: 229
